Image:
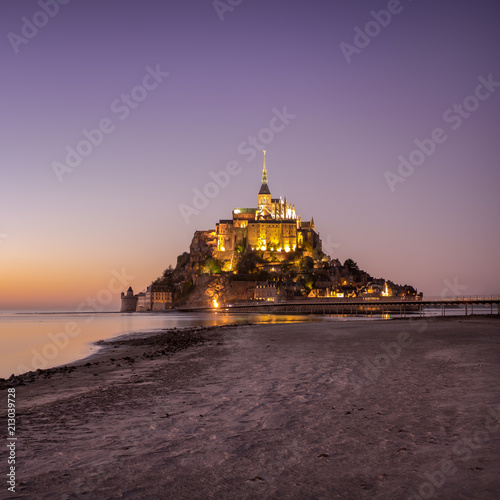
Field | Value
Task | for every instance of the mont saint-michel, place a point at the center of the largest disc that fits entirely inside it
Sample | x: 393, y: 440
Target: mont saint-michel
x: 268, y: 253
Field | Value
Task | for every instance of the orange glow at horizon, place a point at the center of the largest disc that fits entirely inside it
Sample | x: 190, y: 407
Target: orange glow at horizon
x: 63, y: 283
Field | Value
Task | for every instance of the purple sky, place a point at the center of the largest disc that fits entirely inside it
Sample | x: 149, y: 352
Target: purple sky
x: 61, y: 242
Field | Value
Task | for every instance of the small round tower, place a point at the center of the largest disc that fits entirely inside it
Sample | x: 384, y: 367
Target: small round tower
x: 129, y: 301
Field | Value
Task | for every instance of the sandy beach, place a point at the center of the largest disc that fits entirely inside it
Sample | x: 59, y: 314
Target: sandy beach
x: 358, y: 409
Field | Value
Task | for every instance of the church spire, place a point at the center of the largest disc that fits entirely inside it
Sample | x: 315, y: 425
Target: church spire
x: 264, y: 189
x: 264, y: 171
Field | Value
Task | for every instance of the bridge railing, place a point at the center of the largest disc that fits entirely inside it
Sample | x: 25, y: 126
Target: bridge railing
x: 368, y: 301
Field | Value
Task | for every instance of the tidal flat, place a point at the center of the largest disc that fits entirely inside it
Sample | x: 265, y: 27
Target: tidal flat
x: 379, y: 409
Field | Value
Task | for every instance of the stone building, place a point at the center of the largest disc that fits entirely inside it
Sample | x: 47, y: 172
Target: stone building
x: 155, y: 298
x: 272, y: 226
x: 268, y: 291
x: 129, y: 301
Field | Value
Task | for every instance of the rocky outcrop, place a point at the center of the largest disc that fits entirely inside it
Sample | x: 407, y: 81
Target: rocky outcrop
x: 221, y: 288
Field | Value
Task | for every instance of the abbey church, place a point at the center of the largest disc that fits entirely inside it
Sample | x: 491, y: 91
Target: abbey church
x: 272, y: 226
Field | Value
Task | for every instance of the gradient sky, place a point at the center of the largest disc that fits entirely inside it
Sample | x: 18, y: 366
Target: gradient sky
x: 61, y: 242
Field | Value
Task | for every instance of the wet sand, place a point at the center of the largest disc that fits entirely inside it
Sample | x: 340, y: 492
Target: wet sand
x: 379, y: 409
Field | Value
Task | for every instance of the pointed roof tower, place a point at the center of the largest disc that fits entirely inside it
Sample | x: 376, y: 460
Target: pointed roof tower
x: 264, y: 189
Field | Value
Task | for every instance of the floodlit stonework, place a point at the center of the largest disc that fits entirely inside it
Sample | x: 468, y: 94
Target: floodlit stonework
x: 273, y: 225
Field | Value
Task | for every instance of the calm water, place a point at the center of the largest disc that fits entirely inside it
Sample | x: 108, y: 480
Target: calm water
x: 42, y: 340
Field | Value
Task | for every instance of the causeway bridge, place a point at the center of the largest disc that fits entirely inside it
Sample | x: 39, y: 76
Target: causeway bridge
x: 362, y: 306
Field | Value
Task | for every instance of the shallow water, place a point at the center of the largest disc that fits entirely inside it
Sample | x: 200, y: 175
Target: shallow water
x: 33, y: 340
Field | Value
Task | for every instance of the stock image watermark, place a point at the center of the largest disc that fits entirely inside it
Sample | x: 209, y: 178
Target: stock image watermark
x: 329, y: 246
x: 373, y: 366
x: 31, y: 27
x: 454, y: 117
x: 59, y: 341
x: 122, y: 107
x: 388, y: 353
x: 11, y: 439
x: 3, y: 236
x: 452, y: 290
x: 222, y: 7
x: 372, y: 29
x: 464, y: 449
x: 252, y: 145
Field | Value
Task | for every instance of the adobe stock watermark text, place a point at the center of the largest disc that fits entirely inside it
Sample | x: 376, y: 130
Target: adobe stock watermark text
x: 454, y: 117
x: 122, y: 107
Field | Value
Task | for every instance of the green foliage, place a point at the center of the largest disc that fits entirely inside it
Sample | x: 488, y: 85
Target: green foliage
x: 240, y: 248
x: 308, y: 282
x: 212, y: 266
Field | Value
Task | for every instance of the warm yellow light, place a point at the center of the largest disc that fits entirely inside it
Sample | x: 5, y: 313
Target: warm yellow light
x: 287, y: 248
x: 216, y: 304
x: 222, y: 249
x: 263, y: 248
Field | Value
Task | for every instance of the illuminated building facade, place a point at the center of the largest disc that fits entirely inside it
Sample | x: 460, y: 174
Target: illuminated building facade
x: 273, y: 226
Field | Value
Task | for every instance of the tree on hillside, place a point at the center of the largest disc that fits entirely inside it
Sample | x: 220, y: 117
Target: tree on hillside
x: 168, y: 272
x: 248, y: 263
x: 182, y: 260
x: 212, y: 266
x: 351, y: 266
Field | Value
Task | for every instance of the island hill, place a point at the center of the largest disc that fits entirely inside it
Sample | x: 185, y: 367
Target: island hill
x: 267, y: 254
